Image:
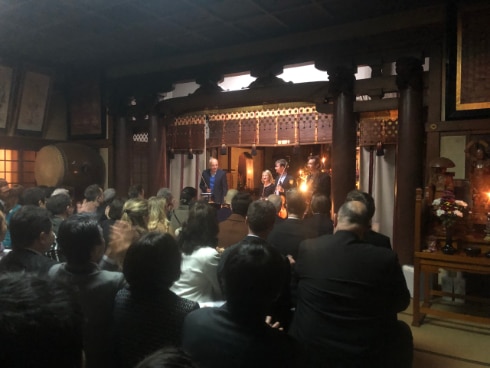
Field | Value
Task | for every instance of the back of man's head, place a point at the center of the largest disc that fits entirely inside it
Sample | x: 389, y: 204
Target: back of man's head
x: 27, y: 224
x: 296, y: 203
x: 320, y: 203
x: 366, y: 198
x: 58, y: 204
x: 35, y: 196
x: 261, y: 216
x: 276, y: 200
x: 136, y: 191
x: 187, y: 195
x: 92, y: 192
x: 240, y: 203
x: 40, y: 323
x: 251, y: 275
x: 78, y: 236
x: 353, y: 216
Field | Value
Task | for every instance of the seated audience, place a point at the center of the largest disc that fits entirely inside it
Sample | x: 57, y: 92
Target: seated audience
x: 234, y: 228
x: 147, y: 315
x: 349, y: 295
x: 180, y: 214
x: 252, y: 276
x: 319, y: 222
x: 198, y: 240
x: 81, y: 242
x: 157, y: 219
x: 370, y: 236
x: 32, y: 235
x: 40, y: 323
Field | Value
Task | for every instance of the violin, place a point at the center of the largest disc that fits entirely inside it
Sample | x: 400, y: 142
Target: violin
x: 283, y: 212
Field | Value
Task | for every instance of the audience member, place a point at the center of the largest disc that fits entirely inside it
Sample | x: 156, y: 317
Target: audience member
x: 180, y: 214
x: 170, y: 357
x: 35, y: 196
x: 40, y: 323
x: 225, y: 210
x: 4, y: 192
x: 157, y: 216
x: 370, y: 236
x: 81, y: 242
x: 93, y: 197
x: 349, y: 295
x: 136, y: 191
x: 169, y: 197
x: 236, y: 335
x: 267, y: 187
x: 60, y: 207
x: 198, y: 240
x: 3, y: 231
x: 284, y: 181
x: 277, y: 201
x: 213, y: 182
x: 12, y: 205
x: 147, y: 315
x: 234, y: 228
x: 109, y: 196
x: 32, y: 235
x: 319, y: 222
x: 113, y: 212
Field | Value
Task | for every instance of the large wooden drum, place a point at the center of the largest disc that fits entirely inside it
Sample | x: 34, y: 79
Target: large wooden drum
x: 69, y: 165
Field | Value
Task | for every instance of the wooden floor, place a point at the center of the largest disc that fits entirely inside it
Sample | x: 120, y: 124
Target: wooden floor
x: 444, y: 343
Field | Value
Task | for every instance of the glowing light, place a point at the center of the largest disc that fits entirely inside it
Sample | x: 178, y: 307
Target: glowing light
x: 303, y: 187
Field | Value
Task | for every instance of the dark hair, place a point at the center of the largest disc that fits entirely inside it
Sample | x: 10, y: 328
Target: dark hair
x: 320, y: 203
x: 251, y: 274
x: 135, y: 191
x: 78, y: 235
x: 27, y: 224
x: 152, y: 262
x: 240, y: 203
x: 58, y: 204
x: 169, y: 357
x: 33, y: 196
x: 316, y: 160
x: 295, y: 201
x: 366, y: 198
x: 201, y: 228
x: 116, y: 208
x: 40, y: 323
x: 261, y: 216
x: 187, y: 195
x: 92, y: 192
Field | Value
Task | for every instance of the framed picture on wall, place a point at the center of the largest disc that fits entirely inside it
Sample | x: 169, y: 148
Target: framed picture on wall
x: 86, y: 114
x: 469, y: 62
x: 7, y: 78
x: 34, y: 93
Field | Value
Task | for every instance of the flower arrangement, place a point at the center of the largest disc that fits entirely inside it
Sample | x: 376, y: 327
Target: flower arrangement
x: 449, y: 209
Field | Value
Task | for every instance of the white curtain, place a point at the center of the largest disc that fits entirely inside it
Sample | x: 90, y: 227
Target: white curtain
x: 383, y: 188
x: 185, y: 172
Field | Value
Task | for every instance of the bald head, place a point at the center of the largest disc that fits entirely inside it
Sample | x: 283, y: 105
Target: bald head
x: 353, y: 216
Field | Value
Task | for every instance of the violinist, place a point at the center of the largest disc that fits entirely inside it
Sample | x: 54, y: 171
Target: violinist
x: 284, y: 181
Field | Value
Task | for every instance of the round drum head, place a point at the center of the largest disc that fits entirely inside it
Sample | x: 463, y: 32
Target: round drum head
x: 49, y: 168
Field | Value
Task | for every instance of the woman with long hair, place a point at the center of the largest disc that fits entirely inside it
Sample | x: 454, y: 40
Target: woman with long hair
x: 157, y: 218
x: 198, y: 240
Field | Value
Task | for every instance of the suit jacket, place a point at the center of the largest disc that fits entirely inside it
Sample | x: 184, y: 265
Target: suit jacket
x: 320, y: 183
x: 26, y: 260
x: 218, y: 338
x: 220, y: 185
x: 318, y: 224
x: 378, y: 239
x: 287, y: 183
x: 232, y: 230
x: 287, y: 235
x: 349, y: 293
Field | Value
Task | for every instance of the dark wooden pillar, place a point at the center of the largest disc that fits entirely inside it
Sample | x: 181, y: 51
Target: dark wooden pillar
x: 344, y: 134
x: 409, y: 167
x: 121, y: 157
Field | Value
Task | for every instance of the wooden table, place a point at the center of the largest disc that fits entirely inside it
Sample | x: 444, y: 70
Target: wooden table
x: 427, y: 264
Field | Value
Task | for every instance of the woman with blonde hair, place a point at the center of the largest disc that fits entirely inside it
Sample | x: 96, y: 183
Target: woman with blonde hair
x: 268, y: 186
x: 157, y: 215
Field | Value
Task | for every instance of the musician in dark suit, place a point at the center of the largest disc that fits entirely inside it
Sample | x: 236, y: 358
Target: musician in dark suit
x: 370, y: 236
x: 349, y: 295
x: 284, y: 181
x: 213, y: 181
x: 318, y: 181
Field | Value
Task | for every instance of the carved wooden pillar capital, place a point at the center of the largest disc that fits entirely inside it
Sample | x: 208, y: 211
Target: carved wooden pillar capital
x: 342, y: 80
x: 208, y: 83
x: 267, y: 75
x: 409, y: 73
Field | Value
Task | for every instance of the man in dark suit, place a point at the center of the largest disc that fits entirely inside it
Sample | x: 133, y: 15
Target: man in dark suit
x: 252, y: 274
x: 32, y: 235
x: 370, y: 236
x: 284, y: 181
x: 318, y: 181
x: 349, y: 295
x: 235, y: 228
x: 213, y: 182
x: 319, y: 222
